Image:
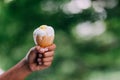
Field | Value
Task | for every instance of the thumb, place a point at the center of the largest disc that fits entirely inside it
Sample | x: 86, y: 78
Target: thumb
x: 31, y: 55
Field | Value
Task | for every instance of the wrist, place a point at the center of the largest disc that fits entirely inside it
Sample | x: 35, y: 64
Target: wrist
x: 26, y: 65
x: 23, y: 69
x: 19, y: 72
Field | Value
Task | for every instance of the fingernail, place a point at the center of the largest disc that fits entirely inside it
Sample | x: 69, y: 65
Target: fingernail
x: 42, y: 50
x: 40, y: 55
x: 45, y: 49
x: 39, y: 60
x: 40, y: 63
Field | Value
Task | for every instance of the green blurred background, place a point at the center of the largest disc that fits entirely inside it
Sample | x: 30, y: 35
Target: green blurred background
x: 87, y: 37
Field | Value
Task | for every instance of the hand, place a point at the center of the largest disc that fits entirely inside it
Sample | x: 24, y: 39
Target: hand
x: 37, y: 59
x: 40, y: 58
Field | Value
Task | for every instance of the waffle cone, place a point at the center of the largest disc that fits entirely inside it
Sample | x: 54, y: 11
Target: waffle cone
x: 44, y: 41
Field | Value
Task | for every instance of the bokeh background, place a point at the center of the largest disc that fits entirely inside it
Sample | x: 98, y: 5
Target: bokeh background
x: 87, y: 37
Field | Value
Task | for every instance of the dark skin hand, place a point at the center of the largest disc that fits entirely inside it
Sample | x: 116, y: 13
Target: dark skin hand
x: 43, y: 59
x: 37, y: 59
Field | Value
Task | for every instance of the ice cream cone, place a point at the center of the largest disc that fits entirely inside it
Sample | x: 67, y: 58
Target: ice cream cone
x: 43, y: 36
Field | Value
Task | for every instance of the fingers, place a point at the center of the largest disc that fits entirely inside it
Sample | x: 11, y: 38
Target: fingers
x: 41, y: 50
x: 31, y: 55
x: 39, y: 59
x: 45, y: 59
x: 44, y: 55
x: 52, y: 47
x: 40, y: 55
x: 47, y: 63
x: 48, y: 59
x: 49, y: 54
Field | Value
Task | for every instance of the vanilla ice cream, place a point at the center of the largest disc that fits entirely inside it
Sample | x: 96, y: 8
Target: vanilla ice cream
x: 43, y: 36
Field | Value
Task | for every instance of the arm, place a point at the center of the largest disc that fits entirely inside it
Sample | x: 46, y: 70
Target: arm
x: 37, y: 59
x: 18, y: 72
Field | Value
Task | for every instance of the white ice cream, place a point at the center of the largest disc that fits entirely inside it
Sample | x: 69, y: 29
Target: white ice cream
x: 43, y: 30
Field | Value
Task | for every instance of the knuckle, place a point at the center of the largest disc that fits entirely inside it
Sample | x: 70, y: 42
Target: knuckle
x: 48, y: 59
x: 45, y: 54
x: 52, y: 53
x: 54, y: 46
x: 49, y: 54
x: 51, y: 58
x: 47, y: 63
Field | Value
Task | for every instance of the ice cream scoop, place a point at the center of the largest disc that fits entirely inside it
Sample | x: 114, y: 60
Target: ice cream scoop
x: 43, y: 36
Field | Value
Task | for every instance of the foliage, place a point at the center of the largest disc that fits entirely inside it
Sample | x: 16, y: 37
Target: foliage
x: 78, y: 56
